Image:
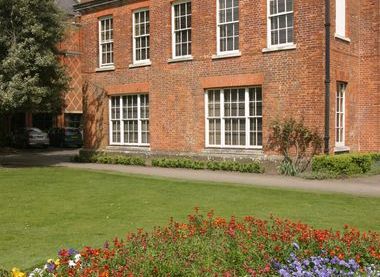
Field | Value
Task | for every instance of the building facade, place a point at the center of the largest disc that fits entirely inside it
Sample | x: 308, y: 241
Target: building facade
x: 209, y: 77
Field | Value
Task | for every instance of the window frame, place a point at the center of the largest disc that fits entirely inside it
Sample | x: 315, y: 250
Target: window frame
x: 218, y: 24
x: 223, y: 118
x: 101, y: 43
x: 179, y: 2
x: 340, y: 125
x: 269, y: 28
x: 121, y: 121
x: 139, y: 62
x: 342, y: 31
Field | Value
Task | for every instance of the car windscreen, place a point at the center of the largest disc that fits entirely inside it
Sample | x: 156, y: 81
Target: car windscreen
x: 72, y: 132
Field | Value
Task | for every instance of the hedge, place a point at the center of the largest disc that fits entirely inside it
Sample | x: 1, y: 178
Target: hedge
x: 344, y: 165
x: 104, y: 158
x: 252, y: 167
x: 110, y: 159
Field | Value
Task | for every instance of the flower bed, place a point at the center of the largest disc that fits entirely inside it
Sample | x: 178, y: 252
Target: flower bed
x: 214, y: 246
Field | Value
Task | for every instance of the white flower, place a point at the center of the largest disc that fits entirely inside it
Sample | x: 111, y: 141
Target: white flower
x: 72, y: 263
x: 37, y: 272
x: 77, y: 258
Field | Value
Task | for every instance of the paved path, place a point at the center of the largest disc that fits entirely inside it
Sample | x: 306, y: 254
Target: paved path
x: 368, y: 186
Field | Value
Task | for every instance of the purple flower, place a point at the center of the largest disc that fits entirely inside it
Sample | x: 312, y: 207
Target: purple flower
x: 72, y: 252
x: 50, y: 267
x: 296, y: 246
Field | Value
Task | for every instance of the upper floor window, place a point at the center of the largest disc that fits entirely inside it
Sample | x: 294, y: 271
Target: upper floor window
x: 280, y: 22
x: 106, y: 41
x: 340, y: 18
x: 181, y: 25
x: 141, y: 37
x: 228, y: 26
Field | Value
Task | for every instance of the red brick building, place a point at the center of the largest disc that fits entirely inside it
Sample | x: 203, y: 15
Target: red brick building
x: 208, y: 77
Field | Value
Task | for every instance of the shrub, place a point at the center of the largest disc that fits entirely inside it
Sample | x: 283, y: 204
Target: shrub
x: 253, y: 167
x: 287, y: 168
x: 214, y: 246
x: 375, y: 157
x: 343, y: 165
x: 178, y: 163
x: 296, y: 143
x: 103, y: 158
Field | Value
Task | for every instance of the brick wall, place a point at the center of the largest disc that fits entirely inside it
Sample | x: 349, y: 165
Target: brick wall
x: 71, y: 59
x: 357, y: 63
x: 292, y: 80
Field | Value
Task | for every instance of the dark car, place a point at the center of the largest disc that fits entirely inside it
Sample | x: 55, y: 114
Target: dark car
x: 66, y: 137
x: 30, y: 137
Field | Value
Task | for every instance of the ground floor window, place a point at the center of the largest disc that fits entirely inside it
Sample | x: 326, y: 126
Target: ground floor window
x: 129, y: 120
x: 340, y: 115
x: 73, y: 120
x: 234, y: 118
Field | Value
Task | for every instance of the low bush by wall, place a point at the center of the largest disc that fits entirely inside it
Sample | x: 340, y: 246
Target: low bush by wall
x: 103, y: 158
x: 344, y: 165
x: 108, y: 158
x: 253, y: 167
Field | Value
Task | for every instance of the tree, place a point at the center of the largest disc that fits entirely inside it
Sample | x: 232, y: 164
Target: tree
x: 31, y: 76
x: 296, y: 143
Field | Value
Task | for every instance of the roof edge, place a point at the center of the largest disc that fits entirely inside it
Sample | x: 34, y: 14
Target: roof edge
x: 94, y: 4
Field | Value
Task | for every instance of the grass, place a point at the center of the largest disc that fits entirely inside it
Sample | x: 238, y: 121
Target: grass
x: 45, y: 209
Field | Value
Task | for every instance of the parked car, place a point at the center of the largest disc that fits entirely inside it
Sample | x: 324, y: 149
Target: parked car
x: 66, y: 137
x: 30, y: 137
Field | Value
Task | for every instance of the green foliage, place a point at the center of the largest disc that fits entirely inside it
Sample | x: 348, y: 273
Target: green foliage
x: 178, y: 163
x: 296, y: 143
x: 215, y: 246
x: 375, y: 156
x: 342, y: 165
x: 287, y: 168
x: 103, y: 158
x: 94, y: 206
x: 253, y: 167
x: 4, y: 273
x: 31, y: 76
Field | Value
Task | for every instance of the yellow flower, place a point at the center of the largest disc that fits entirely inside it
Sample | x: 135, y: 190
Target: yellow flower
x: 17, y: 273
x: 57, y: 262
x: 49, y: 261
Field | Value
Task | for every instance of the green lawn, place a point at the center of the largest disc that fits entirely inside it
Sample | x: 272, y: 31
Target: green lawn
x: 45, y: 209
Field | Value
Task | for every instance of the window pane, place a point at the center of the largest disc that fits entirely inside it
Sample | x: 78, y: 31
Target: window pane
x: 281, y: 6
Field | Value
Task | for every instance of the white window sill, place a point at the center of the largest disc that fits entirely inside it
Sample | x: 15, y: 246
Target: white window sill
x: 226, y: 55
x: 138, y: 146
x: 279, y: 48
x: 142, y: 64
x: 105, y: 68
x: 339, y: 149
x: 232, y: 148
x: 181, y: 59
x: 117, y: 148
x: 346, y: 39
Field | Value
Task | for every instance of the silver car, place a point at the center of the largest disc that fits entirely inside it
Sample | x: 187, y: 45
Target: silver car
x: 31, y: 137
